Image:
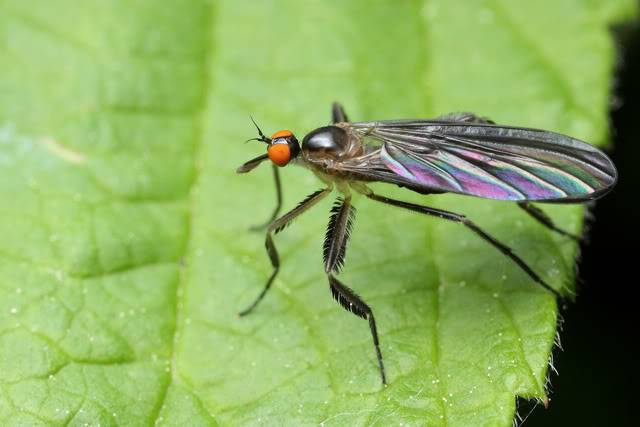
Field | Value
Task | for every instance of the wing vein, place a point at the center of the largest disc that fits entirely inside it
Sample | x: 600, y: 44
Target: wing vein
x: 484, y: 160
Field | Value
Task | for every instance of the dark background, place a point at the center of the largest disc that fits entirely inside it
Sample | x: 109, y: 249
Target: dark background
x: 598, y: 371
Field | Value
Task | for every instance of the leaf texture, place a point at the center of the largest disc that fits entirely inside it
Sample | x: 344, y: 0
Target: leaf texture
x: 124, y: 250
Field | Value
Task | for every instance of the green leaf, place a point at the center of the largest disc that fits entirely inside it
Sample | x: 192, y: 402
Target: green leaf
x: 124, y: 250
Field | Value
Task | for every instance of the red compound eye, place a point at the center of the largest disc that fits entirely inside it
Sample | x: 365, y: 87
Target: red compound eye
x: 280, y: 154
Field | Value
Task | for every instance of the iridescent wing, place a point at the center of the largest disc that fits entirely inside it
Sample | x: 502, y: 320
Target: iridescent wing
x: 484, y: 160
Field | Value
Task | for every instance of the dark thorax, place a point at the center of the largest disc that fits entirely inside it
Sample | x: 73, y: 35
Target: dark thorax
x: 325, y: 148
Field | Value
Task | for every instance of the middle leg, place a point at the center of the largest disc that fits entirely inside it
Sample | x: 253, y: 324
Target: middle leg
x: 335, y: 245
x: 274, y: 228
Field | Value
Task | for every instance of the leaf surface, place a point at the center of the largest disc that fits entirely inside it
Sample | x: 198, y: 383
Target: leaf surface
x: 125, y: 254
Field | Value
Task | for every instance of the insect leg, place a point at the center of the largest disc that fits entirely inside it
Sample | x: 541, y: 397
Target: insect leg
x: 276, y: 211
x: 353, y: 303
x: 544, y: 219
x: 252, y: 164
x: 338, y: 233
x: 277, y: 226
x: 337, y: 113
x: 335, y: 244
x: 451, y: 216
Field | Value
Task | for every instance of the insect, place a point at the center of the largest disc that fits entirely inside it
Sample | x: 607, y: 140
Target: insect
x: 456, y: 153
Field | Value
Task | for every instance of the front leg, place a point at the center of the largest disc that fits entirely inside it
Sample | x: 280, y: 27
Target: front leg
x: 251, y: 165
x: 335, y: 247
x: 276, y: 210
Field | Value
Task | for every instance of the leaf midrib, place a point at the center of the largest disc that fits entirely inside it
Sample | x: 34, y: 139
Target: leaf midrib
x: 193, y: 193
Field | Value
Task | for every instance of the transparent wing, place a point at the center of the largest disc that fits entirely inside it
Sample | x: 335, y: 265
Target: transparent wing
x: 484, y: 160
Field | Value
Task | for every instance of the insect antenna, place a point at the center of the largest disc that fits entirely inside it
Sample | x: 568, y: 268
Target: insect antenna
x: 262, y: 137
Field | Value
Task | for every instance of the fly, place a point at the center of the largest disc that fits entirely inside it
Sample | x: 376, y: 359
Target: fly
x: 457, y: 153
